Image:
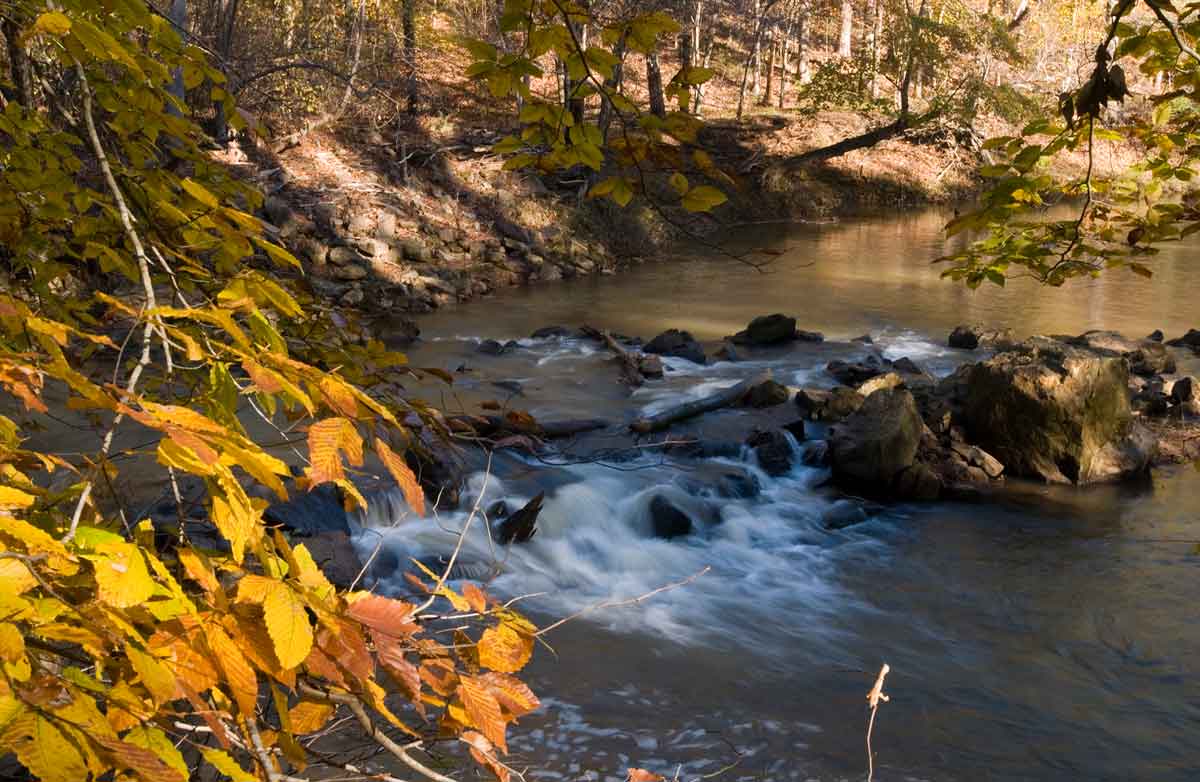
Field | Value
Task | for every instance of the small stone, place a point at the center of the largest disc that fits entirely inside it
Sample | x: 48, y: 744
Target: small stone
x: 650, y: 366
x: 766, y: 394
x: 341, y: 256
x: 906, y: 366
x: 550, y: 332
x: 353, y: 297
x: 278, y: 211
x: 773, y: 449
x: 1184, y: 390
x: 668, y: 521
x: 1155, y: 336
x: 490, y: 347
x: 362, y: 223
x: 386, y: 226
x: 886, y: 380
x: 727, y: 352
x: 963, y: 337
x: 415, y: 250
x: 350, y: 272
x: 865, y: 339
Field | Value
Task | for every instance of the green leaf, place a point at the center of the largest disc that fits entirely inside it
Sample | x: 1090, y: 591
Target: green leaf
x: 703, y: 199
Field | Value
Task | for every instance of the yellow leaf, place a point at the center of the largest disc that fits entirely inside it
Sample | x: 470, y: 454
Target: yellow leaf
x: 403, y: 475
x: 324, y: 439
x: 288, y: 625
x: 504, y: 649
x: 121, y: 575
x: 44, y: 749
x: 309, y: 716
x: 238, y: 677
x: 12, y: 643
x: 156, y: 677
x: 679, y: 183
x: 153, y: 739
x: 199, y: 192
x: 221, y: 761
x: 14, y: 498
x: 53, y: 23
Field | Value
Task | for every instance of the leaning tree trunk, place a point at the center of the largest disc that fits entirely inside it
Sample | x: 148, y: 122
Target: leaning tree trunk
x: 654, y: 83
x: 844, y: 42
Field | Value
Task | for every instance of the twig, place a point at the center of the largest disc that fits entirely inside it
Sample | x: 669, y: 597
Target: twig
x: 620, y: 603
x: 874, y: 698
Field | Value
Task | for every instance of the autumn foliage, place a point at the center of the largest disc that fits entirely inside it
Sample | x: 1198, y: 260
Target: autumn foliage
x: 148, y: 296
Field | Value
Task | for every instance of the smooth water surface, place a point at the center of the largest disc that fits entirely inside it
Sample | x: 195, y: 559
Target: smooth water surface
x: 1051, y: 635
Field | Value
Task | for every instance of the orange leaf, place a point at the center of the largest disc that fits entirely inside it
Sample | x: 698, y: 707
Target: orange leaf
x: 239, y: 678
x: 393, y: 617
x: 476, y: 597
x: 504, y: 649
x: 484, y: 754
x: 512, y: 693
x: 404, y: 476
x: 146, y: 764
x: 483, y: 710
x: 642, y: 775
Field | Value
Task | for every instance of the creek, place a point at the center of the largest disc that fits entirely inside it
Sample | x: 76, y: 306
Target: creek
x: 1050, y: 634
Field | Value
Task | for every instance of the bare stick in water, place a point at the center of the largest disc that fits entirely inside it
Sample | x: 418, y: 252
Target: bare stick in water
x: 629, y: 602
x: 874, y: 698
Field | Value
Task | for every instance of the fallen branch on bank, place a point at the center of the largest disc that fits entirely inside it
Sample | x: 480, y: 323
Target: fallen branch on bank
x: 694, y: 407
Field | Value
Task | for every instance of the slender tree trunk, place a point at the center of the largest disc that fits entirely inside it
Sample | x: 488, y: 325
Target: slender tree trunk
x: 226, y: 20
x: 19, y: 64
x: 766, y: 99
x: 409, y: 29
x: 844, y: 42
x: 613, y: 86
x: 576, y: 104
x: 654, y: 83
x: 785, y: 45
x: 756, y: 48
x: 699, y: 98
x: 876, y: 38
x: 802, y: 43
x: 178, y: 16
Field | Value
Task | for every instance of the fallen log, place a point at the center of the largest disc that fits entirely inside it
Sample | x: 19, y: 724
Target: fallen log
x: 692, y: 408
x: 570, y: 427
x: 631, y: 371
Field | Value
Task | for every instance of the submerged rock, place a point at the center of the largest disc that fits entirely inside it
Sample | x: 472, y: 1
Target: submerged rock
x: 667, y: 521
x: 491, y: 347
x: 680, y: 344
x: 873, y: 445
x: 773, y: 450
x: 842, y: 514
x: 727, y: 352
x: 853, y: 373
x: 548, y: 332
x: 1048, y: 410
x: 767, y: 330
x: 1189, y: 340
x: 971, y: 337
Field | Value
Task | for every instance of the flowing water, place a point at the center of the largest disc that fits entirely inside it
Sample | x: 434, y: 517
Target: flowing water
x: 1050, y: 635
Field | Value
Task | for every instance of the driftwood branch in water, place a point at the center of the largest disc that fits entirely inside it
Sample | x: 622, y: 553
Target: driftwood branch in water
x: 695, y: 407
x: 631, y: 371
x: 521, y: 525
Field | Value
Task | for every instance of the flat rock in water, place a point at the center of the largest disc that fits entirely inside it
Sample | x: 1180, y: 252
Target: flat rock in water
x: 491, y: 347
x: 1146, y: 357
x: 854, y: 373
x: 1189, y: 340
x: 311, y: 512
x: 548, y: 332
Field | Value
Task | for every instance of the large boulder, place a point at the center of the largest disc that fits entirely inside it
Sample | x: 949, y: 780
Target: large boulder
x: 875, y: 444
x: 767, y: 330
x: 819, y: 404
x: 1048, y: 410
x: 680, y: 344
x: 1146, y: 357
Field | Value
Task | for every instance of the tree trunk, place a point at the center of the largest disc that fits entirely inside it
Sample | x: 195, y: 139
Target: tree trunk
x: 785, y: 44
x: 226, y: 19
x: 802, y: 44
x: 760, y: 13
x: 876, y: 37
x: 770, y: 73
x: 577, y: 104
x: 409, y: 23
x: 756, y: 48
x: 612, y: 85
x: 19, y: 64
x: 654, y: 83
x: 178, y: 17
x: 844, y: 42
x: 699, y: 98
